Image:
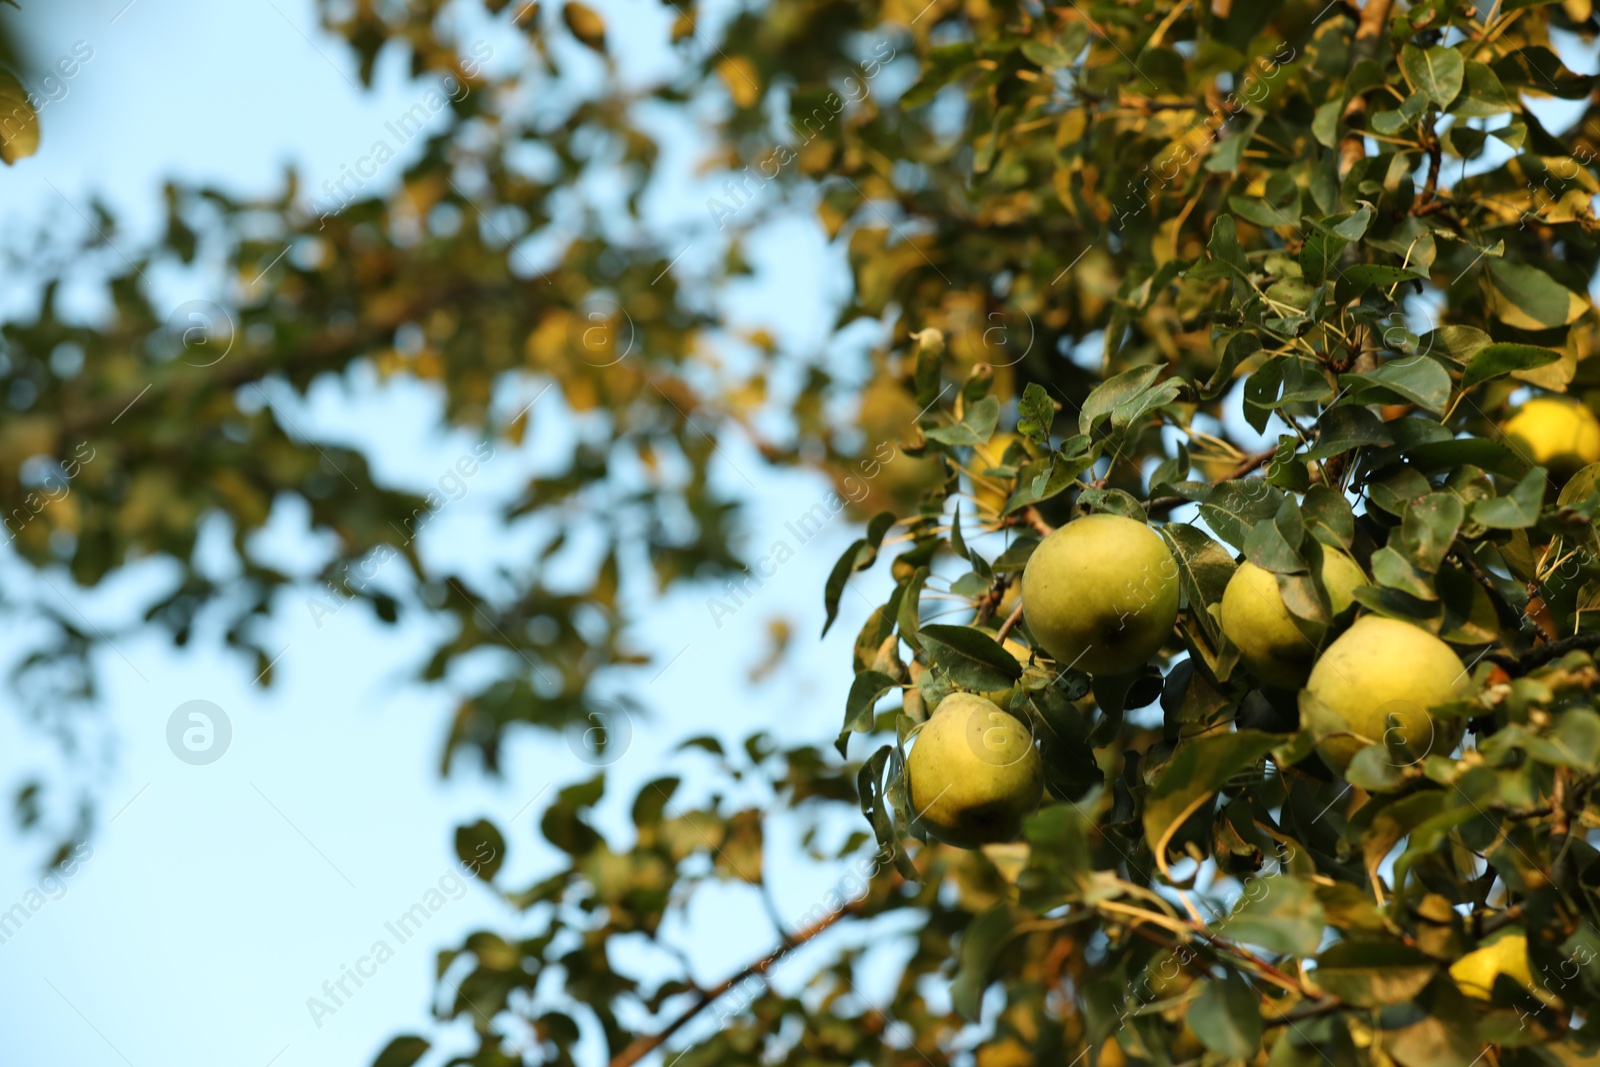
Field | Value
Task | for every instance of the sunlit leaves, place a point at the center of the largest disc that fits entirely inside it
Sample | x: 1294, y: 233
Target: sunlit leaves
x: 1436, y: 71
x: 1529, y: 299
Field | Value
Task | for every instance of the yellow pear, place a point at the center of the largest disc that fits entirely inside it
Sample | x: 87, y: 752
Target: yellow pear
x: 1556, y: 433
x: 1383, y: 667
x: 1277, y: 646
x: 974, y: 773
x: 1101, y: 594
x: 1505, y: 953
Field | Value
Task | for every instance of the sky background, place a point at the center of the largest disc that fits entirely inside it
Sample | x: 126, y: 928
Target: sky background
x: 218, y: 898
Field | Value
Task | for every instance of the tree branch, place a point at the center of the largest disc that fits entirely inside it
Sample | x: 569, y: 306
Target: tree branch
x: 1011, y: 620
x: 1370, y: 30
x: 328, y: 352
x: 1520, y: 665
x: 642, y: 1046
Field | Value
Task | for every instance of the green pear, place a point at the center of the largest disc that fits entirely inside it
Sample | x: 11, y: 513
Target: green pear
x: 1380, y: 668
x: 1101, y: 594
x: 974, y: 773
x: 1277, y: 646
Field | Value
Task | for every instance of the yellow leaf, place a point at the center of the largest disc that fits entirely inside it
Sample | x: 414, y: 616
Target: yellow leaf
x: 19, y: 123
x: 586, y: 24
x: 739, y: 75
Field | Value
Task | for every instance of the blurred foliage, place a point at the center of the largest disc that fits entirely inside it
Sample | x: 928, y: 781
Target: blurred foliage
x: 1140, y: 236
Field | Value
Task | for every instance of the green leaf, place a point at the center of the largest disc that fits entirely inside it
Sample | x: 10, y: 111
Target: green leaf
x: 1228, y: 153
x: 1328, y: 516
x: 1355, y: 280
x: 1347, y: 427
x: 1035, y: 413
x: 981, y: 944
x: 1519, y: 510
x: 1279, y: 207
x: 1112, y: 394
x: 910, y: 618
x: 1195, y: 773
x: 1274, y: 544
x: 1437, y: 71
x: 652, y: 800
x: 1047, y: 55
x: 975, y: 427
x: 1351, y: 227
x: 1497, y: 360
x: 482, y: 848
x: 865, y: 691
x: 1529, y: 299
x: 19, y: 123
x: 1371, y: 974
x: 1204, y: 569
x: 1429, y: 527
x: 1046, y: 478
x: 878, y: 803
x: 1319, y: 254
x: 1114, y: 502
x: 1126, y: 414
x: 1279, y: 913
x: 1418, y: 379
x: 1232, y: 508
x: 1325, y: 126
x: 1015, y: 558
x: 834, y: 589
x: 969, y: 657
x: 1482, y: 95
x: 1455, y: 343
x: 402, y: 1052
x: 1227, y: 1017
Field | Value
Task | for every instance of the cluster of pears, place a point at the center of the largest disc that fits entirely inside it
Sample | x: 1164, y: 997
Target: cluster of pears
x: 1102, y: 595
x: 1379, y: 677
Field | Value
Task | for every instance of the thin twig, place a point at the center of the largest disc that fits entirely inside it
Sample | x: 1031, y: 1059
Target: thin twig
x: 642, y: 1046
x: 1011, y: 620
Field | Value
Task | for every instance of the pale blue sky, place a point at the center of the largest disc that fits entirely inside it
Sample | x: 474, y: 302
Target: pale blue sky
x: 221, y: 897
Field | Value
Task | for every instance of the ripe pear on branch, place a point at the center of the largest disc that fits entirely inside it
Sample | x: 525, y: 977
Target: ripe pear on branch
x: 1101, y: 594
x: 1277, y: 646
x: 1380, y: 678
x: 974, y: 773
x: 1556, y: 433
